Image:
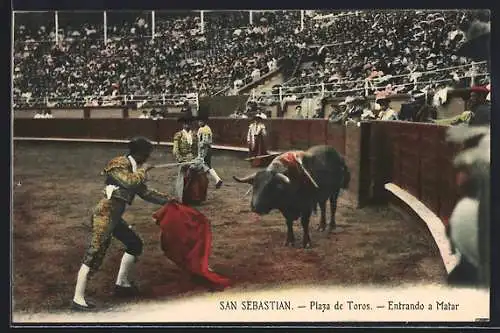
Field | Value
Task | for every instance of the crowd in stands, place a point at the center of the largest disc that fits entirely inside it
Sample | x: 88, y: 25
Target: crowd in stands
x: 394, y: 47
x: 180, y: 59
x: 371, y: 49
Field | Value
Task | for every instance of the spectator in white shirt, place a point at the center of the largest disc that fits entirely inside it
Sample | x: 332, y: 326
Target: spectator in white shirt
x: 238, y: 84
x: 255, y: 74
x: 270, y: 65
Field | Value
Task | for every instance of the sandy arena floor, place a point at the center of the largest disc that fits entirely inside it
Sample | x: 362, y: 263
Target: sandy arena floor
x: 60, y: 184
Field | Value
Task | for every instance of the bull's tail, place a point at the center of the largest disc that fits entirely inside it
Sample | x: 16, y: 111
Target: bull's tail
x: 347, y: 177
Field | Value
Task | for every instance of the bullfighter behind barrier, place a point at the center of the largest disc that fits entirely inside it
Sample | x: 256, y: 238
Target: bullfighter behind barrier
x: 192, y: 181
x: 205, y: 139
x: 125, y: 177
x: 256, y: 139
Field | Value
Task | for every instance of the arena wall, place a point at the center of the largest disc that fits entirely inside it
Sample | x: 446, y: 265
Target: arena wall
x: 417, y: 158
x: 412, y: 156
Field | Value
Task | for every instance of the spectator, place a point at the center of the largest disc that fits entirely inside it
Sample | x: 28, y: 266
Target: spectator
x: 357, y: 109
x: 255, y: 74
x: 164, y: 112
x: 261, y: 115
x: 47, y: 114
x: 237, y: 85
x: 476, y: 102
x: 144, y: 115
x: 186, y: 108
x: 368, y: 114
x: 320, y: 111
x: 410, y: 110
x: 238, y: 114
x: 153, y: 114
x: 298, y: 112
x: 479, y: 106
x: 386, y: 112
x: 252, y: 107
x: 426, y: 114
x: 337, y: 115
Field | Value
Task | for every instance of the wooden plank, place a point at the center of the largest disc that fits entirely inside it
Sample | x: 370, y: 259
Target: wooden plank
x: 317, y: 132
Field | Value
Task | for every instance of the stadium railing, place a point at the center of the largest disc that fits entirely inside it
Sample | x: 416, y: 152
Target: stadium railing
x: 139, y: 101
x: 324, y: 89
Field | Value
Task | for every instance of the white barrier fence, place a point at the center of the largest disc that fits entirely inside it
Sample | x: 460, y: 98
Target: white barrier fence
x: 176, y: 100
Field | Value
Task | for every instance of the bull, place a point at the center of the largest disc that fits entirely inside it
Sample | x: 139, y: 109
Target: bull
x: 295, y: 186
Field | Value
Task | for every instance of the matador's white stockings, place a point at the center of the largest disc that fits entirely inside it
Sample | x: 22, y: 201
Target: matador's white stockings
x: 214, y: 175
x: 81, y: 284
x: 123, y: 278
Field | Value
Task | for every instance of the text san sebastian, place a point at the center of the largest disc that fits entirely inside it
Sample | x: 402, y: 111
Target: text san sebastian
x: 253, y: 305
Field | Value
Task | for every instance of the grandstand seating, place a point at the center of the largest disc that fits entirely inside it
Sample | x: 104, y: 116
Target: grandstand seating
x: 396, y: 47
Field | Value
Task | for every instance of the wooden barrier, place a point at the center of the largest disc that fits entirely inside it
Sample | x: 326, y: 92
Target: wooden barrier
x: 413, y: 156
x: 416, y: 158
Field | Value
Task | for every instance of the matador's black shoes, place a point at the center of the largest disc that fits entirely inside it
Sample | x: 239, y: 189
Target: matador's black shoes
x: 131, y: 291
x: 79, y: 307
x: 219, y: 184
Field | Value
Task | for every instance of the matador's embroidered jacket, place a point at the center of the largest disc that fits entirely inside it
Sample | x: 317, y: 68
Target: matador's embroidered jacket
x: 123, y: 182
x: 185, y: 146
x: 204, y: 137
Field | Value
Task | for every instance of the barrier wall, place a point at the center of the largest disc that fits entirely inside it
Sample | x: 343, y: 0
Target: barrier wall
x: 413, y: 156
x: 416, y: 157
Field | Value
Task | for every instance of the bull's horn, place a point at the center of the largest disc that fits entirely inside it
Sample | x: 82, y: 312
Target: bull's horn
x: 283, y: 177
x: 248, y: 179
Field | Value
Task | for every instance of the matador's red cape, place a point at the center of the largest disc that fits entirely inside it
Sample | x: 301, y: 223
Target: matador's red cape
x: 186, y: 239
